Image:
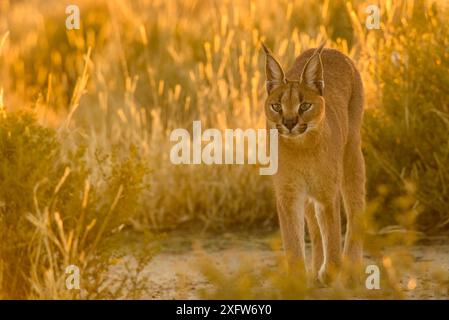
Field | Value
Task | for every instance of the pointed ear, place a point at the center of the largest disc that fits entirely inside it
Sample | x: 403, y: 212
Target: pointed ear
x: 312, y: 74
x: 273, y: 71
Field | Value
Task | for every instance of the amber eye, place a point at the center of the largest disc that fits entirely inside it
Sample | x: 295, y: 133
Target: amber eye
x: 276, y: 107
x: 305, y: 106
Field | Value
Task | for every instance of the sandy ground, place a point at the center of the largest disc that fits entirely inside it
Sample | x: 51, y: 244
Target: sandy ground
x: 173, y: 272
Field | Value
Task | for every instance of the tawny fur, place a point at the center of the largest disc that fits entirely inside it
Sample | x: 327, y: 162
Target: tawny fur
x: 324, y: 164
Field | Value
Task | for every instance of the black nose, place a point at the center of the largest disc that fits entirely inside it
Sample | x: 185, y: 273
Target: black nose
x: 290, y: 123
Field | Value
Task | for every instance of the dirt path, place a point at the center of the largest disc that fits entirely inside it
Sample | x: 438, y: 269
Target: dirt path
x: 173, y: 273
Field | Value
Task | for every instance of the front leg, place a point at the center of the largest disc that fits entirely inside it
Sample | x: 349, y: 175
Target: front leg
x: 328, y: 216
x: 290, y: 207
x: 315, y: 238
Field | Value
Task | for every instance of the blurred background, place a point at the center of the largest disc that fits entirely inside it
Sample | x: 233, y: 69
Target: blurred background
x: 85, y: 117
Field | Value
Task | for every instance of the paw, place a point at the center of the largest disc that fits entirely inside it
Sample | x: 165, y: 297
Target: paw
x: 352, y: 274
x: 314, y: 282
x: 326, y: 275
x: 352, y: 280
x: 352, y: 268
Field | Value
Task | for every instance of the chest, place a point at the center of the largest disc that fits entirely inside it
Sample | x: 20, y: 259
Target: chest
x: 309, y: 172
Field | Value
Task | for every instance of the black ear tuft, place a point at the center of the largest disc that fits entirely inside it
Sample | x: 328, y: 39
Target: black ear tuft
x: 265, y: 49
x: 320, y: 48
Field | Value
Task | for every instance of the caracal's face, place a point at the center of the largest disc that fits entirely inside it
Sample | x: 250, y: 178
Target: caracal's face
x: 294, y: 109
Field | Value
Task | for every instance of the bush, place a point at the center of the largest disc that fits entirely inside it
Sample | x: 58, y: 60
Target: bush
x: 28, y: 153
x: 406, y: 137
x: 53, y: 213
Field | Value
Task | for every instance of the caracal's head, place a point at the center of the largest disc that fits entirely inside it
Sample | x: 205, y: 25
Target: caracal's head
x: 295, y: 107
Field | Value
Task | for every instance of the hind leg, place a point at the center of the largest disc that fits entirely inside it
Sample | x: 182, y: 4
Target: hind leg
x: 353, y: 192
